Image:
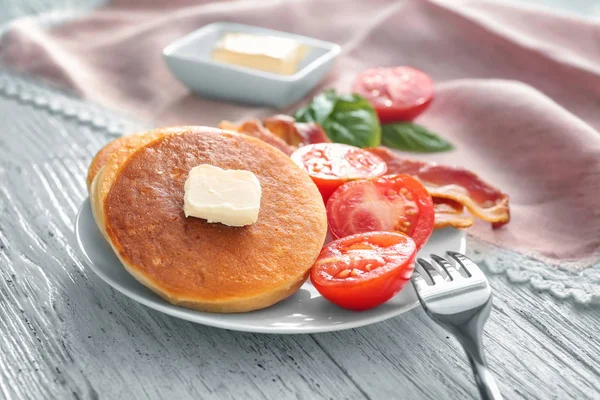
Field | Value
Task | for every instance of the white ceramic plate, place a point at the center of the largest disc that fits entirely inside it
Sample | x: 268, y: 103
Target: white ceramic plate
x: 304, y: 312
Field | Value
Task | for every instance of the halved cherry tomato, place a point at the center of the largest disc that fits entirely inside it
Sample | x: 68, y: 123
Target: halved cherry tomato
x: 332, y: 164
x: 363, y: 271
x: 398, y: 94
x: 391, y: 203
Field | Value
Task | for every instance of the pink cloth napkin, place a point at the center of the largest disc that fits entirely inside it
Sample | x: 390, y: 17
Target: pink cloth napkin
x: 518, y: 90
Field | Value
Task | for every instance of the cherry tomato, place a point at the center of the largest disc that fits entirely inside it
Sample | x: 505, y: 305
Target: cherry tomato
x: 365, y: 270
x: 397, y: 203
x: 332, y: 164
x: 398, y: 93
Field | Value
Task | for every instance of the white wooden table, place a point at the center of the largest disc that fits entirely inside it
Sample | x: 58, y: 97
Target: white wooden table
x: 66, y: 334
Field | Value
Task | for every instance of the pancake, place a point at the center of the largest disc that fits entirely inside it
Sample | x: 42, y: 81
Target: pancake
x: 103, y: 168
x: 126, y: 145
x: 211, y: 266
x: 102, y: 157
x: 107, y: 164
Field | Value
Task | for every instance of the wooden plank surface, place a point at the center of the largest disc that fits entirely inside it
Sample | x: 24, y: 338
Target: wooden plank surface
x: 66, y: 334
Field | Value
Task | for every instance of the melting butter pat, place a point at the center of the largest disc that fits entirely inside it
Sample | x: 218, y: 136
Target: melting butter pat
x: 266, y: 53
x: 231, y: 197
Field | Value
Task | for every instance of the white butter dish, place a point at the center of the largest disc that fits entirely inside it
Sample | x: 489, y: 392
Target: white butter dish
x: 189, y: 59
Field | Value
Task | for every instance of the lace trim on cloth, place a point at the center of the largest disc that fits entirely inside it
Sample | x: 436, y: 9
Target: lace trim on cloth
x: 580, y: 286
x: 53, y: 101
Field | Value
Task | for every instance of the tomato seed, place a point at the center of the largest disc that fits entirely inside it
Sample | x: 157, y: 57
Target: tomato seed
x: 355, y: 272
x: 343, y: 274
x: 326, y: 261
x: 368, y: 267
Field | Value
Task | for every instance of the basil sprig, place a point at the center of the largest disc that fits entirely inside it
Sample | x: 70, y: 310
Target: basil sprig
x: 347, y: 118
x: 407, y: 136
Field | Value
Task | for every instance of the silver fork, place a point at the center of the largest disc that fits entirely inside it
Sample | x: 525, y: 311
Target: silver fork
x: 459, y: 298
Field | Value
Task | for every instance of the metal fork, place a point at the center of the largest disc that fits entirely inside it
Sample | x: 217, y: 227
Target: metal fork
x: 459, y: 298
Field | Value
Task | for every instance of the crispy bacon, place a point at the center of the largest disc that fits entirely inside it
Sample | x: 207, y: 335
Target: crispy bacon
x: 481, y: 199
x: 295, y: 133
x: 256, y: 129
x: 450, y: 213
x: 280, y: 131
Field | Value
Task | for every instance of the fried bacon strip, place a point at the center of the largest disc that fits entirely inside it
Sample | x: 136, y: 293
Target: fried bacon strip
x: 295, y: 133
x: 280, y: 131
x: 456, y: 184
x: 450, y: 213
x: 256, y: 129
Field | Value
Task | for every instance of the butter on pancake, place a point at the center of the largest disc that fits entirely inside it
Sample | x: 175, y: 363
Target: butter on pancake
x: 208, y: 266
x: 231, y: 197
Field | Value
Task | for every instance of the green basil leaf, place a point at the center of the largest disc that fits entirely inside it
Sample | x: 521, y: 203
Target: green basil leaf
x: 348, y: 119
x: 412, y: 137
x: 323, y: 105
x: 319, y: 108
x: 358, y: 128
x: 304, y: 114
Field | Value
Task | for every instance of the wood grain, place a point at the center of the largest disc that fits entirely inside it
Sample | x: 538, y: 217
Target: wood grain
x: 66, y: 334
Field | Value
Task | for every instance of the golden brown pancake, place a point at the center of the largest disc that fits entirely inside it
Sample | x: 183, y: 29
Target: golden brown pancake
x: 126, y: 145
x: 111, y: 157
x: 102, y: 157
x: 211, y: 266
x: 107, y: 168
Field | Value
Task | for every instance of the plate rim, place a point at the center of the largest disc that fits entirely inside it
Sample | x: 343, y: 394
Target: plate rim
x: 173, y: 310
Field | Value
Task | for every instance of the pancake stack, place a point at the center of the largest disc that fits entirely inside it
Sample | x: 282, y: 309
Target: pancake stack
x: 136, y: 187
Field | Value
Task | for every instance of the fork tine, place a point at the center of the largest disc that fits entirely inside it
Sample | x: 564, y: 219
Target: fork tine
x: 418, y: 281
x: 466, y: 264
x: 452, y: 272
x: 430, y: 270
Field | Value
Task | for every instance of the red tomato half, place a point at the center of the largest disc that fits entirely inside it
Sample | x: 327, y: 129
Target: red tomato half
x: 391, y: 203
x: 398, y: 94
x: 332, y: 164
x: 363, y: 271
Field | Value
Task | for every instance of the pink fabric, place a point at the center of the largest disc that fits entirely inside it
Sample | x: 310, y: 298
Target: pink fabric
x: 518, y: 90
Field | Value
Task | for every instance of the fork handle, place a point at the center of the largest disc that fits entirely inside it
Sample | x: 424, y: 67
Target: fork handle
x: 485, y: 381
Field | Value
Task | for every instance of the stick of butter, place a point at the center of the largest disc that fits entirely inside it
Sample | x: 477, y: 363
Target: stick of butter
x: 266, y: 53
x: 231, y: 197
